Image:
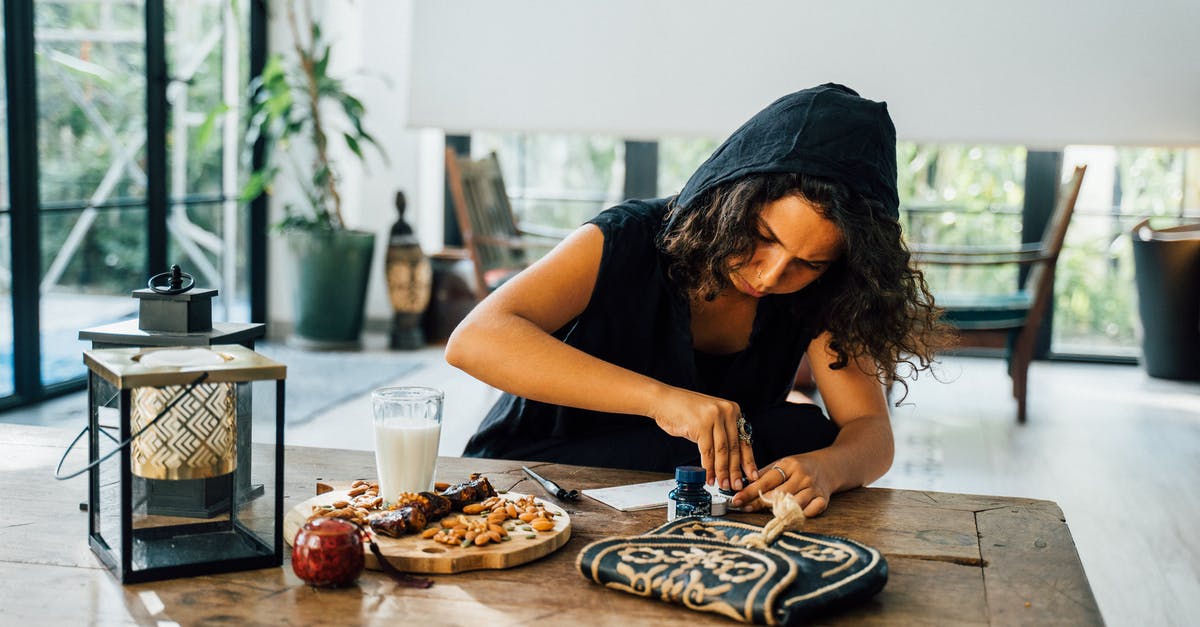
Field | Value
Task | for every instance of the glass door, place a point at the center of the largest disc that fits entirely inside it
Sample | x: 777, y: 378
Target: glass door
x: 123, y: 175
x: 91, y: 73
x: 206, y: 43
x: 7, y: 387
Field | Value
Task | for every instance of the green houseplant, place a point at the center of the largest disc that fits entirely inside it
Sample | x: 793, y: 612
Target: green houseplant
x: 299, y: 100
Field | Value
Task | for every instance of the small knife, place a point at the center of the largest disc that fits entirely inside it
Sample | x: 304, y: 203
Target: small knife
x: 551, y: 487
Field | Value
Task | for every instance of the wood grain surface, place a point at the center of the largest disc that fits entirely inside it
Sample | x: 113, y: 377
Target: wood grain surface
x: 952, y: 558
x: 414, y: 554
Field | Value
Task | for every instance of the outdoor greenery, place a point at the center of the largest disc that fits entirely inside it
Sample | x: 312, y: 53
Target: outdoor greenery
x: 92, y: 132
x: 1095, y: 299
x: 91, y: 98
x: 91, y: 106
x: 955, y: 195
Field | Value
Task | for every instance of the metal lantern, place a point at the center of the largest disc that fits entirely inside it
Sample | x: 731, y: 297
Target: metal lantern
x: 172, y: 311
x: 409, y: 282
x: 178, y: 419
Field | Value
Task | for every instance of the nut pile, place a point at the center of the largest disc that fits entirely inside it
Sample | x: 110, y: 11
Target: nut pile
x: 363, y: 497
x: 494, y: 520
x: 498, y: 519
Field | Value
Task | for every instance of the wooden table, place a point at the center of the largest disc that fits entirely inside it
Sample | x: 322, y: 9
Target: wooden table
x: 953, y: 558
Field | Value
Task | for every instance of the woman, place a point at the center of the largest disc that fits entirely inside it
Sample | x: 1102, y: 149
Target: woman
x: 669, y: 331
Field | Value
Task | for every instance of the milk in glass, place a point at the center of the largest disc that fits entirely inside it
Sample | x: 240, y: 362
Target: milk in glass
x: 408, y: 423
x: 406, y: 452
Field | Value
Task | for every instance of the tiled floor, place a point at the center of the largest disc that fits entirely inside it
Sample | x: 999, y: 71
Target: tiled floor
x: 1118, y: 451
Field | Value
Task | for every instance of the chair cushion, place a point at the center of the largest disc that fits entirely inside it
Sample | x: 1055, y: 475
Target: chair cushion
x: 985, y: 311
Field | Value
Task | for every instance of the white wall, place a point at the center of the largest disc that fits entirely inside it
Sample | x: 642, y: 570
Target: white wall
x: 371, y: 51
x: 1040, y: 72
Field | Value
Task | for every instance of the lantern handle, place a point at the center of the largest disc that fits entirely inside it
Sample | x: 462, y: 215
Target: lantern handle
x: 177, y: 281
x: 58, y: 470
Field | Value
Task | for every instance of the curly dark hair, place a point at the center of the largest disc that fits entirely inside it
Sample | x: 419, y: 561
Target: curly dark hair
x: 872, y: 301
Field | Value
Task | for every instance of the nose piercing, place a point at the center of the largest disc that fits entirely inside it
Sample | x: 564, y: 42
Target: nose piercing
x: 759, y: 275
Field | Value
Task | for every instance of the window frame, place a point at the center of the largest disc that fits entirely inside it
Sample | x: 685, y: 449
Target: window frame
x: 25, y: 208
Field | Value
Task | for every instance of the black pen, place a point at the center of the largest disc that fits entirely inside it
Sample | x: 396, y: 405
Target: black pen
x: 553, y: 488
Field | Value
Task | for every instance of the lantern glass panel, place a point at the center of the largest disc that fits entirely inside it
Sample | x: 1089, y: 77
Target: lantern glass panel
x: 197, y: 432
x: 105, y: 479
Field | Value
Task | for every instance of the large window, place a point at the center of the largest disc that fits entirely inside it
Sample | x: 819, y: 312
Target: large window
x: 678, y: 158
x: 91, y: 158
x: 137, y: 150
x: 1095, y: 307
x: 557, y: 181
x: 206, y: 44
x: 956, y: 195
x: 949, y: 195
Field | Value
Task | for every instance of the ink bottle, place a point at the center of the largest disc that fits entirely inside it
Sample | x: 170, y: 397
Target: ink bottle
x: 689, y: 498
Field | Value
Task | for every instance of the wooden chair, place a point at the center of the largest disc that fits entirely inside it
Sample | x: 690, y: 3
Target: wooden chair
x: 497, y: 247
x: 1008, y: 321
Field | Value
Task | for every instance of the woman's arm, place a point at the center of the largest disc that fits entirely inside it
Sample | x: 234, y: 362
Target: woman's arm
x: 505, y: 342
x: 862, y: 451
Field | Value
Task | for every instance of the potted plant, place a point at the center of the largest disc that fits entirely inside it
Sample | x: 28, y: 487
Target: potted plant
x: 298, y: 100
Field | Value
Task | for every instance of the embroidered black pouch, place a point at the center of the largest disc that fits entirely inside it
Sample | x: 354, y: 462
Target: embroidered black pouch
x: 696, y: 562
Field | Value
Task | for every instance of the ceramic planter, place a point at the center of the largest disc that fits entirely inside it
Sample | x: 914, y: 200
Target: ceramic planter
x: 332, y: 268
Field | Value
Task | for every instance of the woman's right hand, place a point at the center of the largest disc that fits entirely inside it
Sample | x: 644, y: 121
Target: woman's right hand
x: 712, y: 423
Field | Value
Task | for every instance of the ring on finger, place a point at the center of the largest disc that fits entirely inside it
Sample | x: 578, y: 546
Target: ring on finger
x: 782, y: 472
x: 745, y: 430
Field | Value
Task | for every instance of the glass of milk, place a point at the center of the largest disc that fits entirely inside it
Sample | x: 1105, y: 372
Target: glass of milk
x: 408, y: 424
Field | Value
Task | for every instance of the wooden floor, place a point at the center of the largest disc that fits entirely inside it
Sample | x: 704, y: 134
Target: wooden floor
x: 1117, y: 450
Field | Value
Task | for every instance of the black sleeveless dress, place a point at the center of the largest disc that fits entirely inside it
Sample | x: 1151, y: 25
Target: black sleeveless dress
x: 639, y: 320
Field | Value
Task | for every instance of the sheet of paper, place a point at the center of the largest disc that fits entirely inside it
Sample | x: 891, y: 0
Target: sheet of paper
x: 637, y: 496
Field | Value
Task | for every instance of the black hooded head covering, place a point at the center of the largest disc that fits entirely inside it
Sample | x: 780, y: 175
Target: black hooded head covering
x: 827, y: 131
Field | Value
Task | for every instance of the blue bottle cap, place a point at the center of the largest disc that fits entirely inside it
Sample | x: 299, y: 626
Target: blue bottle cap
x: 689, y: 474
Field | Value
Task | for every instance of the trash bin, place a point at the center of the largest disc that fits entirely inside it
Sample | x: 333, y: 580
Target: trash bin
x: 1167, y: 273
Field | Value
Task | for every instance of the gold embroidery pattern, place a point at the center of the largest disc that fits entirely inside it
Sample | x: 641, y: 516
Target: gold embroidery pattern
x: 697, y: 577
x: 824, y: 553
x: 836, y: 554
x: 701, y: 530
x: 698, y: 564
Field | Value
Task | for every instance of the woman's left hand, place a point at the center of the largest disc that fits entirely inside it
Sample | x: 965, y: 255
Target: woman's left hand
x: 803, y: 476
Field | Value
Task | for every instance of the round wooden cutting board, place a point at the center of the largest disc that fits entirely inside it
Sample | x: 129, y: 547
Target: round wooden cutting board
x: 414, y: 554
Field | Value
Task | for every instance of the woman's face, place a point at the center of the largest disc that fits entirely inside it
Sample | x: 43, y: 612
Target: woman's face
x: 796, y: 245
